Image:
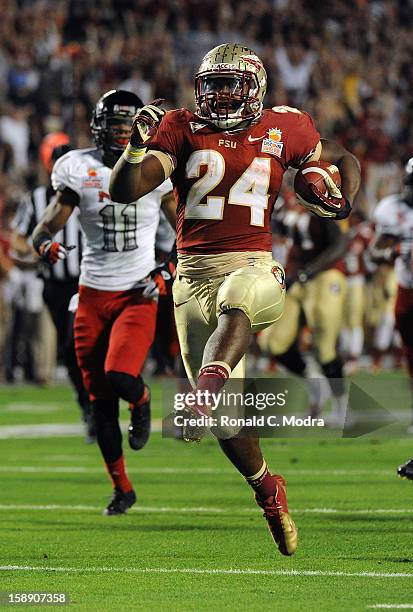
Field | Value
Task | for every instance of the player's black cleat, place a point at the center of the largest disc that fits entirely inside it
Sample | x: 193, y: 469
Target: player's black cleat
x: 140, y: 422
x: 406, y: 470
x: 120, y: 502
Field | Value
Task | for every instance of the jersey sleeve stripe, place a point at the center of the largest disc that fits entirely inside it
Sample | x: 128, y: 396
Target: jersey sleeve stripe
x: 167, y: 160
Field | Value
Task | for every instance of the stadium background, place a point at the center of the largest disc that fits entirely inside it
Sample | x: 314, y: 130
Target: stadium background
x: 349, y: 65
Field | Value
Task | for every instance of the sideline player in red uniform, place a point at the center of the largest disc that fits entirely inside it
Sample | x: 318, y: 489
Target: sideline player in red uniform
x: 226, y: 162
x: 316, y: 289
x: 116, y: 317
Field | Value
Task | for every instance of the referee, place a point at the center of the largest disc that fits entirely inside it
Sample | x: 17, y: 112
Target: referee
x: 62, y: 279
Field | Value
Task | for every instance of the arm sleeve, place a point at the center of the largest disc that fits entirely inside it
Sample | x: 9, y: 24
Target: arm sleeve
x: 302, y: 139
x: 64, y: 175
x: 24, y: 219
x: 169, y: 137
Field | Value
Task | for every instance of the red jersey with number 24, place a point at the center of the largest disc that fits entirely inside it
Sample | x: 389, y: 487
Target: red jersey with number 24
x: 226, y: 183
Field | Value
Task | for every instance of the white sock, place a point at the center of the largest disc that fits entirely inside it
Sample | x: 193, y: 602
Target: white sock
x: 384, y: 332
x: 357, y: 340
x: 319, y: 391
x: 339, y: 406
x: 345, y: 341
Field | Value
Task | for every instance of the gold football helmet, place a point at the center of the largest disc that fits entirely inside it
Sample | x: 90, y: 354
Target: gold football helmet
x: 230, y: 86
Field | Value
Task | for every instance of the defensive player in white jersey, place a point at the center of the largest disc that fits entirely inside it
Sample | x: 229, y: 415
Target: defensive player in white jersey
x: 394, y: 242
x: 116, y: 315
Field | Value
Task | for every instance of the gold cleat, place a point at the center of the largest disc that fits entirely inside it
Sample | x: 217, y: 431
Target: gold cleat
x: 195, y: 425
x: 280, y: 523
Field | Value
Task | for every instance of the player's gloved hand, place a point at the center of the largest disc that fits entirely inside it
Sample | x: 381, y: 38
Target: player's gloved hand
x: 334, y: 205
x: 146, y: 122
x: 162, y: 279
x: 52, y: 252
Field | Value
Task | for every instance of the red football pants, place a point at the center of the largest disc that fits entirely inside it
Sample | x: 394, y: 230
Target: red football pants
x: 404, y: 322
x: 113, y: 332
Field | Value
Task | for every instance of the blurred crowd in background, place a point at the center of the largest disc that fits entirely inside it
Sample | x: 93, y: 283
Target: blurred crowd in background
x: 349, y: 64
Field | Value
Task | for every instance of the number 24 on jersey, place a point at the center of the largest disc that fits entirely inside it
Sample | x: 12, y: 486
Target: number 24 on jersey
x: 251, y: 189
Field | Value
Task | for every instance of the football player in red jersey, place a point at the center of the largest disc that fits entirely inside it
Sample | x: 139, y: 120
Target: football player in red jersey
x: 226, y: 162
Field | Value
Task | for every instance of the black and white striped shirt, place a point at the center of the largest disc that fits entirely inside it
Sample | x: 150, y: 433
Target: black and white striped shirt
x: 28, y: 215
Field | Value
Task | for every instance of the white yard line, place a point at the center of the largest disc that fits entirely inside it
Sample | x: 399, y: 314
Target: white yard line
x: 196, y: 570
x: 392, y: 606
x: 31, y: 408
x: 48, y: 430
x: 87, y: 508
x: 76, y: 469
x: 207, y: 509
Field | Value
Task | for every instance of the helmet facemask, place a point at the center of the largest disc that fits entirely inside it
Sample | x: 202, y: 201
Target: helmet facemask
x: 118, y: 133
x: 226, y: 99
x: 111, y: 133
x: 111, y: 122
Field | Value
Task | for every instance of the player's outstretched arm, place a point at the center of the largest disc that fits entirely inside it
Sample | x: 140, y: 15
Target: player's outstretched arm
x: 348, y: 165
x: 130, y: 181
x: 137, y: 173
x: 53, y: 220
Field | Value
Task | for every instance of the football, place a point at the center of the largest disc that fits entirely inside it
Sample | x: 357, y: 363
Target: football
x: 314, y: 173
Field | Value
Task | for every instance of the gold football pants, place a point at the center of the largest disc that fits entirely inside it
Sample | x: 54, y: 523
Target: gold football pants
x: 354, y: 303
x: 381, y: 295
x: 202, y: 292
x: 322, y: 300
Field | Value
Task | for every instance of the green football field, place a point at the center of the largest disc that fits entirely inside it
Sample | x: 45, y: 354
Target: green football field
x: 196, y: 540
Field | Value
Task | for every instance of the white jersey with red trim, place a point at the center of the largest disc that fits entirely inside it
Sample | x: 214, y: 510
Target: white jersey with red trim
x: 119, y: 239
x: 394, y: 217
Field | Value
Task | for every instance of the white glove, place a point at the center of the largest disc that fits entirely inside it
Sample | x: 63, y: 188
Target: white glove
x: 146, y: 122
x: 74, y: 303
